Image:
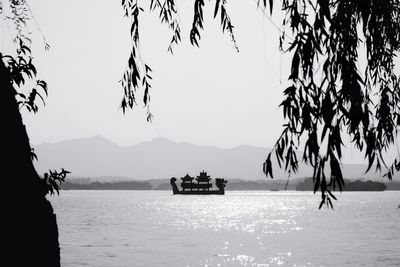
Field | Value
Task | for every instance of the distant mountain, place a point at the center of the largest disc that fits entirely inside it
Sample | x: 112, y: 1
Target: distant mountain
x: 162, y: 158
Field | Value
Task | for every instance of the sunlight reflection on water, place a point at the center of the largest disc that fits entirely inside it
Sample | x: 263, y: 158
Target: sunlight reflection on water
x: 155, y: 228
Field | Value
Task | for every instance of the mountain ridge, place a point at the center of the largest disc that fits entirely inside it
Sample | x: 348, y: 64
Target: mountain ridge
x: 161, y: 158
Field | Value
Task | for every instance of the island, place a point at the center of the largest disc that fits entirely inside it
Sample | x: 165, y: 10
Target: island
x: 357, y: 185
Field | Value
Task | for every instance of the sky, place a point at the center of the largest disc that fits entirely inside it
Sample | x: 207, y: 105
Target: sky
x: 210, y: 95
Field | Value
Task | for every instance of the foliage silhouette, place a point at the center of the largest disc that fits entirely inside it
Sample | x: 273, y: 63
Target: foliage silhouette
x: 29, y: 215
x: 321, y: 109
x: 329, y: 95
x: 365, y: 103
x: 53, y: 181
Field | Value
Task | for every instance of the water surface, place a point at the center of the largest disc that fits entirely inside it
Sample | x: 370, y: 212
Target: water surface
x: 156, y: 228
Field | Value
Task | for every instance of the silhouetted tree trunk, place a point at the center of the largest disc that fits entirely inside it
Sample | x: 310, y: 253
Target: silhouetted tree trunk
x: 31, y: 229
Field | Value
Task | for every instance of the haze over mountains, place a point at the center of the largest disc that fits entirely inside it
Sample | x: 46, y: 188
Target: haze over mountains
x: 162, y: 158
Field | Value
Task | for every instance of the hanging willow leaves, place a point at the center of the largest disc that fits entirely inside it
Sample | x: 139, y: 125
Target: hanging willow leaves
x: 197, y: 23
x: 340, y: 102
x: 226, y: 22
x: 138, y: 74
x: 168, y: 14
x: 22, y: 72
x: 20, y: 65
x: 320, y: 105
x: 330, y: 94
x: 131, y: 79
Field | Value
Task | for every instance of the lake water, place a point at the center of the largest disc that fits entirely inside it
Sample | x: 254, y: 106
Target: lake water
x: 156, y: 228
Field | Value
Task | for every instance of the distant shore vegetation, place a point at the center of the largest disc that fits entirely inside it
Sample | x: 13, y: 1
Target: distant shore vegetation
x: 299, y: 184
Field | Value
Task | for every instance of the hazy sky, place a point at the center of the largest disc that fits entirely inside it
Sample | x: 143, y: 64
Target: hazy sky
x: 209, y: 95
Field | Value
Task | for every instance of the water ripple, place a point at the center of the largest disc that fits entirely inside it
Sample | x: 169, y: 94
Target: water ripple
x: 147, y: 228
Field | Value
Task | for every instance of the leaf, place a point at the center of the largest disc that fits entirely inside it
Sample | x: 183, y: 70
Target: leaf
x: 267, y: 166
x: 332, y: 195
x: 317, y: 178
x: 217, y: 3
x: 330, y: 202
x: 271, y: 4
x: 295, y: 66
x: 371, y: 159
x: 321, y: 203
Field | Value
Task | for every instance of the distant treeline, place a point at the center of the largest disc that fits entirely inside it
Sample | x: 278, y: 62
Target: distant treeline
x: 357, y: 185
x: 303, y: 184
x: 125, y: 185
x: 300, y: 184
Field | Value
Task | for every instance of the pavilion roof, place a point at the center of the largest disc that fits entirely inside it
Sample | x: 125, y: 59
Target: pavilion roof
x: 187, y: 178
x: 203, y: 175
